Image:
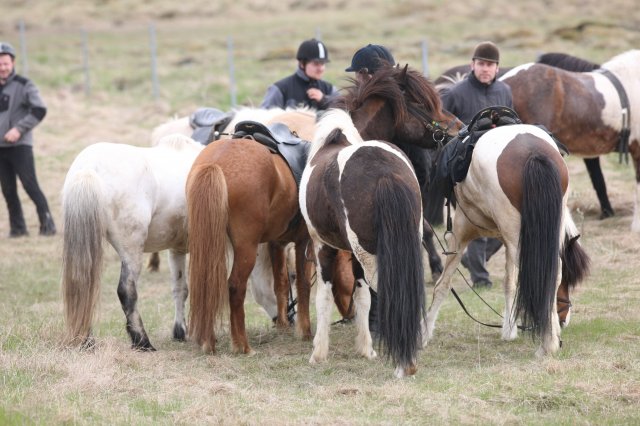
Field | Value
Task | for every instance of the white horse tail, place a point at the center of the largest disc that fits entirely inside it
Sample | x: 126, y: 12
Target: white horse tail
x: 208, y: 217
x: 82, y: 252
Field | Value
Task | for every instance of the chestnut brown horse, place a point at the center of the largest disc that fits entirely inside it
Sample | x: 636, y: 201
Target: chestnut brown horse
x: 516, y: 190
x: 585, y: 111
x: 363, y: 197
x: 239, y: 194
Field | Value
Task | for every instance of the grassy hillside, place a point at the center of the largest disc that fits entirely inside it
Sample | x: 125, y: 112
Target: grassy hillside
x: 466, y: 376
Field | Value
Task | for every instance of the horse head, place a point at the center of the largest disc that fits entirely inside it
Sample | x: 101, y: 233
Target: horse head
x: 400, y: 105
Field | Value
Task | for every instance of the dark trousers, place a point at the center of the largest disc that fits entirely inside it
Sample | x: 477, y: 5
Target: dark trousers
x: 478, y: 254
x: 17, y: 161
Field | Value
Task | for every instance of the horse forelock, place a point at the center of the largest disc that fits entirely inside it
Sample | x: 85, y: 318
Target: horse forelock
x: 384, y: 84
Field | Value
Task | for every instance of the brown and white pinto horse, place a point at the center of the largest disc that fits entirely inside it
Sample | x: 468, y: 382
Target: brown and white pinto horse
x: 516, y: 190
x: 239, y: 194
x: 584, y: 110
x: 363, y: 197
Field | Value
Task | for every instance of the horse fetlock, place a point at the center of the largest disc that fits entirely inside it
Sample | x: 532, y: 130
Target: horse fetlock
x: 401, y: 372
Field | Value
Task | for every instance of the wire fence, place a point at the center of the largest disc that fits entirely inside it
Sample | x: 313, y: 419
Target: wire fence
x: 175, y: 65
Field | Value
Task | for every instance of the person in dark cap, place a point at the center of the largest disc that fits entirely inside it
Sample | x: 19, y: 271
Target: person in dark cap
x: 367, y: 60
x: 21, y: 109
x: 464, y: 99
x: 305, y: 87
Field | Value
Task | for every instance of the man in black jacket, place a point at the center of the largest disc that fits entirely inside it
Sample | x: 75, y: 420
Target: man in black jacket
x: 305, y: 87
x: 21, y: 109
x: 479, y: 90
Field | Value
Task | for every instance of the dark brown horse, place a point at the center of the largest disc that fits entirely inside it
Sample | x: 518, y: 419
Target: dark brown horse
x: 401, y: 106
x: 239, y: 194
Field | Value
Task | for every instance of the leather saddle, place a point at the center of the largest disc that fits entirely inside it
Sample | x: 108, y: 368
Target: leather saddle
x: 208, y: 123
x: 279, y: 139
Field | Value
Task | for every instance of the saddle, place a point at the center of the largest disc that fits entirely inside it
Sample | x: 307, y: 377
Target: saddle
x: 453, y: 161
x: 207, y: 124
x: 279, y: 139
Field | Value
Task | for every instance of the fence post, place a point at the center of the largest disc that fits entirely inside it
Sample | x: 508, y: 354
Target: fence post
x: 425, y: 58
x: 232, y: 74
x: 23, y: 48
x: 85, y: 64
x: 154, y: 64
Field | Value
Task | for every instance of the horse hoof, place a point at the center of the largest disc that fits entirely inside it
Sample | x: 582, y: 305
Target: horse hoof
x: 607, y: 214
x: 89, y: 344
x: 401, y: 372
x: 147, y: 347
x: 179, y: 332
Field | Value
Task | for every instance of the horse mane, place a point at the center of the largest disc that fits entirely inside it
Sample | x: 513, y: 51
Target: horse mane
x: 332, y: 123
x: 567, y: 62
x: 397, y: 86
x: 178, y: 142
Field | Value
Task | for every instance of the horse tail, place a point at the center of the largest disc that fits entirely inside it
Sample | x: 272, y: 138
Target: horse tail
x: 82, y: 253
x: 208, y: 216
x: 400, y: 270
x: 541, y: 217
x: 576, y: 263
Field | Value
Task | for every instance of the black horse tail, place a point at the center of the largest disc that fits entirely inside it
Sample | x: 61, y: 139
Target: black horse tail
x: 401, y: 304
x: 576, y: 263
x: 541, y: 217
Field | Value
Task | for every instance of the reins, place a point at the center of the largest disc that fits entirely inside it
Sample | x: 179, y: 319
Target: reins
x: 455, y: 294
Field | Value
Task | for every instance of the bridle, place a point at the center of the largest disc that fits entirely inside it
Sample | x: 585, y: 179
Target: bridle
x: 439, y: 132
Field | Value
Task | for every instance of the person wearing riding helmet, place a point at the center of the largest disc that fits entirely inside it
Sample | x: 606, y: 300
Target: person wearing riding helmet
x: 305, y: 87
x: 21, y: 109
x: 479, y: 90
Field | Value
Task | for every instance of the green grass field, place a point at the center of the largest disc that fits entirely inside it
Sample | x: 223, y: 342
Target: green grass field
x: 467, y: 375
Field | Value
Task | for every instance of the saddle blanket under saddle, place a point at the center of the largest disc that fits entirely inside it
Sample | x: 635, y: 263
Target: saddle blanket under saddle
x: 207, y: 123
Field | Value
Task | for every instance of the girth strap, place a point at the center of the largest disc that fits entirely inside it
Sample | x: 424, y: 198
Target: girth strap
x: 625, y: 132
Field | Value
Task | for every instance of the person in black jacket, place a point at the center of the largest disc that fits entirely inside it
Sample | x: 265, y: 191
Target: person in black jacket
x: 479, y: 90
x: 305, y: 87
x: 21, y: 109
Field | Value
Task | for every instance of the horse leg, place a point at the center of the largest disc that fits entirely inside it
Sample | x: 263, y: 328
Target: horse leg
x: 362, y: 300
x: 304, y: 270
x: 177, y: 267
x: 325, y: 257
x: 154, y: 262
x: 597, y: 180
x: 344, y: 284
x: 128, y: 295
x: 550, y: 342
x: 243, y: 262
x: 509, y: 327
x: 435, y: 263
x: 280, y: 283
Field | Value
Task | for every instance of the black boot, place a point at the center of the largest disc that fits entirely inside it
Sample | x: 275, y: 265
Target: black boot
x: 47, y: 227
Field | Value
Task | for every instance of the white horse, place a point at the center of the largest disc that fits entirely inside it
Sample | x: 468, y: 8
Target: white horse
x: 516, y: 190
x: 135, y: 199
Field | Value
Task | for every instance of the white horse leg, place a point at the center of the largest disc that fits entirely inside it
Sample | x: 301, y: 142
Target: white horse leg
x: 177, y: 264
x: 550, y: 343
x: 362, y: 300
x: 440, y: 292
x: 509, y: 327
x: 128, y: 295
x: 324, y: 306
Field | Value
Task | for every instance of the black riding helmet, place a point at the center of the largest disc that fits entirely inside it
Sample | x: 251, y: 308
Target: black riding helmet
x: 7, y: 49
x: 370, y: 57
x: 312, y: 50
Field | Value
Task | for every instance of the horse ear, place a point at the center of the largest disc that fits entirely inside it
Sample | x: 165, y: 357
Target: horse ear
x: 404, y: 72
